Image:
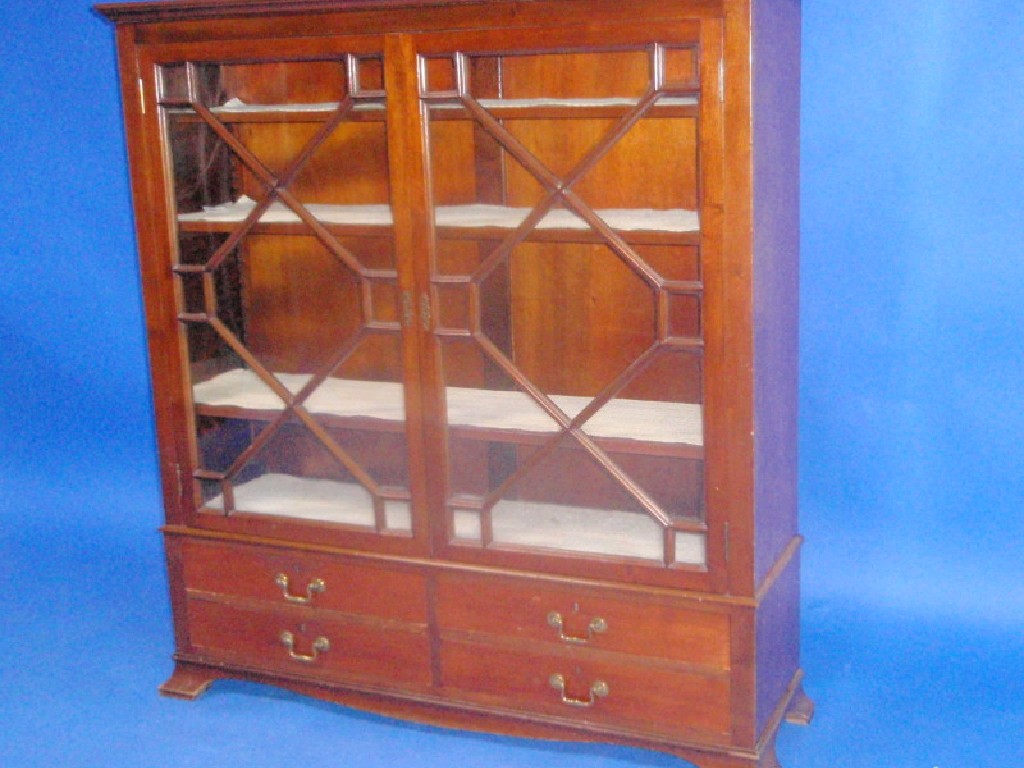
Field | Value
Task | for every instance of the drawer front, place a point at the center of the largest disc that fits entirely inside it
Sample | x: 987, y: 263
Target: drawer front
x: 288, y: 577
x: 609, y: 621
x: 642, y: 698
x: 348, y: 650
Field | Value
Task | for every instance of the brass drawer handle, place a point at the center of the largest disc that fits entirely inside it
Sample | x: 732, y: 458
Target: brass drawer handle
x: 596, y: 626
x: 598, y: 690
x: 314, y: 587
x: 320, y: 645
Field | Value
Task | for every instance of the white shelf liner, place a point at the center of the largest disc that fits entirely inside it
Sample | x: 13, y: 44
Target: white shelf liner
x: 645, y: 420
x: 517, y: 523
x: 623, y: 219
x: 237, y: 106
x: 579, y: 529
x: 279, y: 213
x: 477, y: 215
x: 335, y: 397
x: 313, y: 499
x: 665, y: 101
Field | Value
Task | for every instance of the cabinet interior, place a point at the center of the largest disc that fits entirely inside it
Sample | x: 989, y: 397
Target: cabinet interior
x: 563, y: 297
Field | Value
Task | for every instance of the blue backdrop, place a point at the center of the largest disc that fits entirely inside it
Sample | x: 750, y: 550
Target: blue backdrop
x: 912, y: 373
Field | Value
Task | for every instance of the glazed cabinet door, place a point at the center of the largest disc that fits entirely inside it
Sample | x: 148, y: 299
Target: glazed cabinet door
x: 287, y: 291
x: 569, y: 173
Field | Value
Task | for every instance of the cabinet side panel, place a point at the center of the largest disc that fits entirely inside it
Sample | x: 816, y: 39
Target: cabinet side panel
x: 777, y: 651
x: 776, y: 119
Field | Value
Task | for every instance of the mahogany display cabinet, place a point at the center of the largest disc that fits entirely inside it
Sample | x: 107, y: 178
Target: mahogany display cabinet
x: 473, y: 334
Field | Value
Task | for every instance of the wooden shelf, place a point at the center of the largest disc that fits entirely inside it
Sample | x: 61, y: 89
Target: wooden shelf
x: 295, y: 228
x: 643, y: 427
x: 331, y: 422
x: 476, y: 222
x: 516, y: 524
x: 235, y: 111
x: 578, y: 530
x: 307, y: 498
x: 566, y: 528
x: 565, y: 109
x: 504, y: 109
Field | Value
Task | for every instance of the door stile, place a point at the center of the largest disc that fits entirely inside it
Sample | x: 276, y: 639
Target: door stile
x: 734, y: 454
x: 717, y: 369
x: 412, y: 207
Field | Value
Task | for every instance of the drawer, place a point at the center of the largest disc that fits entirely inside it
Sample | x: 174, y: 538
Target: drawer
x: 339, y: 649
x: 540, y: 611
x: 634, y: 696
x: 291, y: 577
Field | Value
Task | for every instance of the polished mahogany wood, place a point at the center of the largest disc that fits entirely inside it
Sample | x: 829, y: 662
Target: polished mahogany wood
x: 231, y: 571
x: 292, y: 641
x: 588, y: 618
x: 698, y: 660
x: 190, y: 678
x: 645, y: 699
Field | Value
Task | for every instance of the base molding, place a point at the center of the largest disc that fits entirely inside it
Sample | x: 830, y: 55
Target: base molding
x: 191, y: 679
x: 801, y: 709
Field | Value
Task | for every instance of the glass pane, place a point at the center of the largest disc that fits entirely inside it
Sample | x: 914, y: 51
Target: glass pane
x: 288, y: 290
x: 568, y: 281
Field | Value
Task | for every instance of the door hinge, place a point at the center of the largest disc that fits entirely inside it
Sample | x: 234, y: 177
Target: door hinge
x: 425, y: 310
x: 407, y: 309
x: 725, y: 535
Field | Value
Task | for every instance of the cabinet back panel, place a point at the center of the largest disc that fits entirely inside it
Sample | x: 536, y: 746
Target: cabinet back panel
x: 571, y: 317
x: 576, y: 75
x: 652, y: 166
x: 579, y: 316
x: 303, y: 305
x: 670, y: 377
x: 464, y: 365
x: 349, y: 168
x: 452, y: 162
x: 296, y: 452
x: 572, y: 477
x: 197, y: 184
x: 672, y: 262
x: 298, y: 301
x: 291, y: 82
